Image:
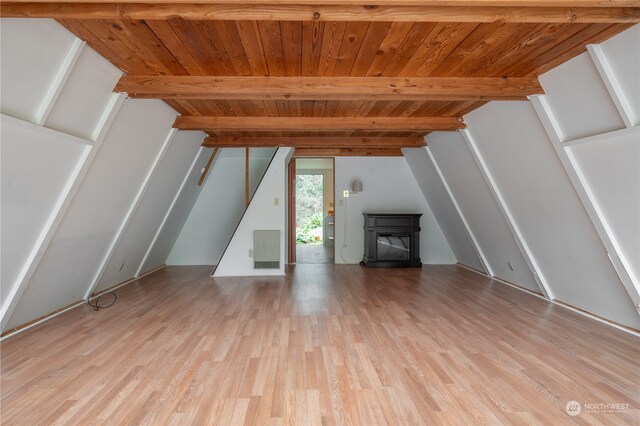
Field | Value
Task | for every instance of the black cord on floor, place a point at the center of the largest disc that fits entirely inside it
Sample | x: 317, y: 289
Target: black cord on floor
x: 96, y: 305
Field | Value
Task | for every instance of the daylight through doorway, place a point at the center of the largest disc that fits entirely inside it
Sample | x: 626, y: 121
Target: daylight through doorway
x: 314, y: 213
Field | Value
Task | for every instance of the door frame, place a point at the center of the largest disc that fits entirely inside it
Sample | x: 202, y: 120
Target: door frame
x: 291, y: 208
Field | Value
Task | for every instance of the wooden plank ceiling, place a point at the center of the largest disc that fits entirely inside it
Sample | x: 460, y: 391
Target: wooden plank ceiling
x: 369, y: 70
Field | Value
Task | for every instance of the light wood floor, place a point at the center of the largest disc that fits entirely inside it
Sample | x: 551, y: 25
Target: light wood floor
x: 326, y: 345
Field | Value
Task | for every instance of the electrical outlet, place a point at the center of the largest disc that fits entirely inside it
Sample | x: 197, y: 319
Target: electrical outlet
x: 121, y: 267
x: 340, y: 203
x: 276, y: 201
x: 510, y: 265
x: 250, y: 253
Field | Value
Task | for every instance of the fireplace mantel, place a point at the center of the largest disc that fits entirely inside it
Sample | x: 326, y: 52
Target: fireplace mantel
x: 392, y: 240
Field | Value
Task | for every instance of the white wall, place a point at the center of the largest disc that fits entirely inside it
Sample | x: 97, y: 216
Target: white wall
x: 33, y: 54
x: 623, y: 55
x: 263, y: 213
x: 569, y: 88
x: 443, y: 208
x: 483, y: 215
x: 611, y: 169
x: 547, y: 209
x: 37, y: 165
x: 98, y: 209
x: 129, y: 253
x: 92, y: 174
x: 388, y: 186
x: 219, y: 207
x: 176, y: 217
x: 558, y: 175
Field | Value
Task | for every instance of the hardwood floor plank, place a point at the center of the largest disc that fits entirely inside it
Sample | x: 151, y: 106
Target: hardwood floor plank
x: 327, y: 344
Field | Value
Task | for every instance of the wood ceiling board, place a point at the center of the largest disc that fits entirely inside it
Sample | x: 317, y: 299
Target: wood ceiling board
x: 268, y: 48
x: 414, y: 56
x: 401, y: 124
x: 314, y: 13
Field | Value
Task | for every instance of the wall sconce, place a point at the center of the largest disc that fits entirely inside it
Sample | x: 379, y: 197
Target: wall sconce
x: 356, y: 186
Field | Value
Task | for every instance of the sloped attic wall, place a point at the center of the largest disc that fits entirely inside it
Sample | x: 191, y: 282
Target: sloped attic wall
x: 219, y: 207
x: 561, y: 172
x: 87, y: 176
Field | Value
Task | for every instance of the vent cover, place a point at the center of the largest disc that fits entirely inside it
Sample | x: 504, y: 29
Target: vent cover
x: 266, y: 249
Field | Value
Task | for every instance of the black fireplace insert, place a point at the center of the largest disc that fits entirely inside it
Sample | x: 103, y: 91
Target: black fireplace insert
x: 392, y: 240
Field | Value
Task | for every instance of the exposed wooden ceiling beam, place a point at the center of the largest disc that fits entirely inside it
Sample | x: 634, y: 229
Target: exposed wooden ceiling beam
x: 315, y: 142
x: 329, y: 88
x: 347, y: 152
x: 203, y: 176
x: 459, y: 3
x: 399, y: 124
x: 559, y: 12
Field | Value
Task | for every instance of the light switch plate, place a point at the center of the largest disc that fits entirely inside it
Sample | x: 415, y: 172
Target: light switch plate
x: 276, y: 201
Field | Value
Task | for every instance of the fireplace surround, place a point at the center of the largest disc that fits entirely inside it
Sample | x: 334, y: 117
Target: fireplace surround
x: 392, y: 240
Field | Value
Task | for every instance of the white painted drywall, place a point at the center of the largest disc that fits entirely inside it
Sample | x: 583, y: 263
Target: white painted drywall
x: 262, y: 214
x: 388, y: 187
x: 150, y: 212
x: 33, y: 51
x: 179, y: 213
x: 86, y: 95
x: 480, y: 209
x: 579, y: 99
x: 547, y: 209
x: 219, y: 207
x: 611, y: 169
x: 442, y: 206
x: 97, y: 210
x: 37, y: 164
x: 623, y: 53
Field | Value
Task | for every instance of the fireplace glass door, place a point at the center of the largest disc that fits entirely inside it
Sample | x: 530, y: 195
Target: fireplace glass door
x: 393, y: 247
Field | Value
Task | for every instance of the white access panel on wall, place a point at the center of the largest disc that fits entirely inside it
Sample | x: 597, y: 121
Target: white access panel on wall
x: 266, y: 249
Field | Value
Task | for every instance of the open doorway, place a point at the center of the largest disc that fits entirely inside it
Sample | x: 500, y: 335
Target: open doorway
x: 314, y: 220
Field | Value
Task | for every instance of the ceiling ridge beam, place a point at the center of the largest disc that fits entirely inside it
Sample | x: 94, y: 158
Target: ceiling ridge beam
x: 315, y: 142
x: 329, y: 88
x: 399, y: 124
x: 278, y: 11
x: 347, y: 152
x: 458, y: 3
